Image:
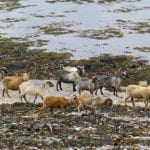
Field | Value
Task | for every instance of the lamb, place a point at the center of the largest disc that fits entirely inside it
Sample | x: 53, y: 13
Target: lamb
x: 85, y: 84
x: 34, y: 87
x: 56, y: 102
x: 108, y: 82
x: 68, y: 75
x: 98, y: 101
x: 88, y: 99
x: 13, y: 82
x: 136, y: 91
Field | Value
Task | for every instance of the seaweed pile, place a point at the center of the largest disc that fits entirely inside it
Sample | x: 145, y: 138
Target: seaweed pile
x: 116, y: 127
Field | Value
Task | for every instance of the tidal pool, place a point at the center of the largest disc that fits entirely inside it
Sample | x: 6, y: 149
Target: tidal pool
x: 28, y: 18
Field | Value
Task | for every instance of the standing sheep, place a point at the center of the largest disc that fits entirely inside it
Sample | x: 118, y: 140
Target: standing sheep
x: 34, y: 87
x: 108, y: 82
x: 56, y: 102
x: 68, y: 76
x: 13, y: 82
x: 85, y: 84
x: 136, y: 91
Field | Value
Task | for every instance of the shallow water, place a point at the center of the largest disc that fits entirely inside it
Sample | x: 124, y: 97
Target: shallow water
x: 25, y: 20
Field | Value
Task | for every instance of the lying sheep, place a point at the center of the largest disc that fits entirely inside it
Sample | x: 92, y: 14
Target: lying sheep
x: 13, y: 82
x: 107, y: 82
x: 66, y: 75
x: 56, y: 102
x: 85, y: 84
x: 136, y: 91
x: 34, y: 87
x: 88, y: 99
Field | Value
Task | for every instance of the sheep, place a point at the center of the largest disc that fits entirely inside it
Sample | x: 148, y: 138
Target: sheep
x: 34, y: 87
x: 68, y: 77
x: 108, y: 82
x: 136, y: 91
x: 85, y: 84
x: 3, y: 72
x: 88, y: 99
x: 13, y: 82
x: 56, y: 102
x: 98, y: 101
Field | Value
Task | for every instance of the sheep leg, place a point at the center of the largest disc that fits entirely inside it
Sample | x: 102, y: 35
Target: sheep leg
x: 60, y: 86
x: 91, y: 91
x: 74, y: 87
x: 35, y: 98
x: 79, y: 91
x: 24, y: 96
x: 96, y: 91
x: 115, y: 92
x: 57, y: 85
x: 51, y: 109
x: 62, y: 109
x: 146, y: 103
x: 42, y: 97
x: 101, y: 90
x: 79, y: 106
x: 132, y: 100
x: 126, y: 99
x: 7, y: 92
x: 3, y: 92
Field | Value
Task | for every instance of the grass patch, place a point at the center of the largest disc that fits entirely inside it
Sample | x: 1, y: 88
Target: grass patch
x: 58, y: 28
x: 142, y: 27
x: 101, y: 34
x: 143, y: 49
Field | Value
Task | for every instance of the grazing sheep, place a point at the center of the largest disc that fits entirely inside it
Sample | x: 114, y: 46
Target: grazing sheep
x: 68, y: 77
x: 136, y: 91
x: 85, y: 84
x: 98, y: 101
x: 108, y: 82
x: 84, y: 99
x: 88, y: 99
x: 56, y: 102
x: 34, y: 87
x: 13, y: 82
x: 3, y: 73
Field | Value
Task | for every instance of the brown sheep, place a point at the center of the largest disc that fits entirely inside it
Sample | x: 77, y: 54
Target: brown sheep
x: 56, y: 102
x: 13, y: 82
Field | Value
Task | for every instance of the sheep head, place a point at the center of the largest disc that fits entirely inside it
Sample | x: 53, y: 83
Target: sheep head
x: 74, y: 100
x: 50, y: 83
x: 25, y: 76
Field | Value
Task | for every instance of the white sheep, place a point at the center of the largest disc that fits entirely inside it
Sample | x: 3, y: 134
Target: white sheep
x: 34, y: 87
x: 136, y: 91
